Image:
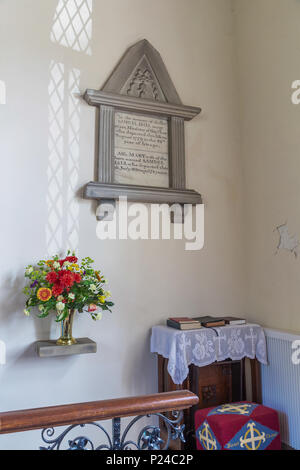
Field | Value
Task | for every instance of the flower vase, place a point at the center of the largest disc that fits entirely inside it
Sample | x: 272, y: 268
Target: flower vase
x: 66, y: 338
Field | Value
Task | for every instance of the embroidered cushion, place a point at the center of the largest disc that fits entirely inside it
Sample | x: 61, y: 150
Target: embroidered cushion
x: 237, y: 426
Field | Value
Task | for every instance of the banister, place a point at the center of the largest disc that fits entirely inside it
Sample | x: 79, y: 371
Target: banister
x: 80, y: 413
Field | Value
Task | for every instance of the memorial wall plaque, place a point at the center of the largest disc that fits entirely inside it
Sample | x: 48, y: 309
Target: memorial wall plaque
x: 141, y: 151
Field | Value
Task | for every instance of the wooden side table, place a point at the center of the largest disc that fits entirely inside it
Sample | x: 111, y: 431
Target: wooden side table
x: 215, y: 384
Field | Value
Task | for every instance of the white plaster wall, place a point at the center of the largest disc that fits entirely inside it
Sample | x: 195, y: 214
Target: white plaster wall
x: 150, y: 280
x: 268, y: 62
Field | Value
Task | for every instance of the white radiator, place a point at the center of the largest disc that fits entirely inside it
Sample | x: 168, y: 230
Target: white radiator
x: 281, y: 384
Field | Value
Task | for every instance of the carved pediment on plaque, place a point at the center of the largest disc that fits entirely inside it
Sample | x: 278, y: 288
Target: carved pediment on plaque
x: 142, y: 83
x: 141, y: 73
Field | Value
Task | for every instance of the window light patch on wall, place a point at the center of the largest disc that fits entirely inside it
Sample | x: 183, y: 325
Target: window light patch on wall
x: 62, y: 229
x: 72, y: 25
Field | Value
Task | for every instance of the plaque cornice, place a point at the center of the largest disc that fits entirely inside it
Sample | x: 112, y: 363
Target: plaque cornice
x: 130, y: 103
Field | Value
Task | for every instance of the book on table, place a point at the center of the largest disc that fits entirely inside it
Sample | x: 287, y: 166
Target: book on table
x: 207, y: 321
x: 234, y: 321
x: 183, y: 323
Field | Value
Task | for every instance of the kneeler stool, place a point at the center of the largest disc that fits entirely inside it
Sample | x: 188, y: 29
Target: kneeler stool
x: 237, y: 426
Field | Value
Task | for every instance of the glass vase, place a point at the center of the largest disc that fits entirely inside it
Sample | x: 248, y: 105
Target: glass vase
x: 66, y: 338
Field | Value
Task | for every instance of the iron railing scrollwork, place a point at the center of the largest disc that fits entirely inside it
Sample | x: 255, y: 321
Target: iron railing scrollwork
x: 149, y: 438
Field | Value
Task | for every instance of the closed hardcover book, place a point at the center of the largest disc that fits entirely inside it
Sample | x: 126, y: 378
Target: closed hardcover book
x: 234, y: 321
x: 182, y: 319
x: 209, y: 322
x: 183, y: 326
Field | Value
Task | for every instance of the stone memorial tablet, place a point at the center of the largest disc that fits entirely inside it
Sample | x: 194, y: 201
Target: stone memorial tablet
x: 141, y: 150
x: 140, y: 143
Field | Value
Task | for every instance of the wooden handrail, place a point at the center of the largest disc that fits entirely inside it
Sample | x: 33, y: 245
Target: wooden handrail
x: 80, y: 413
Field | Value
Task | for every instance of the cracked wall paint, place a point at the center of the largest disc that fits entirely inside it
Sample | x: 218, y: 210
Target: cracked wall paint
x: 286, y: 241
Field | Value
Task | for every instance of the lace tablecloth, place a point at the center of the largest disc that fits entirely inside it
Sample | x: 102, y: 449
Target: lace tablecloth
x: 207, y: 345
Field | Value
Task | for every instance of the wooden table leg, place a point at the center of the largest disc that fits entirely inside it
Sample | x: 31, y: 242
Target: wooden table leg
x: 256, y: 381
x: 161, y: 373
x: 242, y: 380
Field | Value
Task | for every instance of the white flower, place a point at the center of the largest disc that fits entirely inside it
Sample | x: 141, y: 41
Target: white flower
x: 29, y: 270
x: 60, y: 298
x: 26, y: 312
x: 71, y: 296
x: 107, y: 294
x: 56, y: 265
x: 93, y: 288
x: 60, y: 306
x: 67, y: 263
x: 98, y: 316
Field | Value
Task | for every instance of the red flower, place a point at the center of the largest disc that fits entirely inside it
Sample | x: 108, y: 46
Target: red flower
x: 61, y: 273
x: 57, y: 289
x: 51, y: 277
x: 77, y: 277
x: 92, y: 308
x: 67, y: 278
x: 71, y: 259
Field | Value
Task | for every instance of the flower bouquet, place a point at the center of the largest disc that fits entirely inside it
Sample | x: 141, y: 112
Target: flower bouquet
x: 64, y: 286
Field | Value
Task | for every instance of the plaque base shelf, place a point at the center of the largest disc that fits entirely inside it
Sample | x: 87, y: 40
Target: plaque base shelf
x: 109, y: 191
x: 51, y: 349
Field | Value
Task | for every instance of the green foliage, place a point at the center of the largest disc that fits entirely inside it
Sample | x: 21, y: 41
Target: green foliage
x: 84, y: 292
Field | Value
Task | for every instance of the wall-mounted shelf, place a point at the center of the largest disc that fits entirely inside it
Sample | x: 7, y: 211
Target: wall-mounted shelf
x: 134, y: 193
x: 51, y: 349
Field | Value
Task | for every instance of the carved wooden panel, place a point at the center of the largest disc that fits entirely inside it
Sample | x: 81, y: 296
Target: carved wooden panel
x: 209, y: 392
x: 212, y: 385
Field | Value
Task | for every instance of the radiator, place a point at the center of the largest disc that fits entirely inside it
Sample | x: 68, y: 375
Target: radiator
x: 281, y: 384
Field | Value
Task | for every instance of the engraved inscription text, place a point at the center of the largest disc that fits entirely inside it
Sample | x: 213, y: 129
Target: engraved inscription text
x: 141, y: 150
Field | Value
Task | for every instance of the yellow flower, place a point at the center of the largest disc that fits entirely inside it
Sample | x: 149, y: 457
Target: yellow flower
x: 44, y: 294
x: 102, y: 298
x: 73, y: 267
